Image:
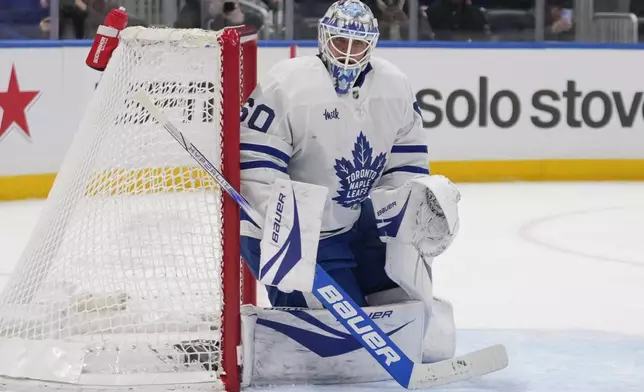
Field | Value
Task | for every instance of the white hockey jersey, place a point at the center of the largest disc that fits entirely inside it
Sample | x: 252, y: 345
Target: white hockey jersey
x: 295, y: 126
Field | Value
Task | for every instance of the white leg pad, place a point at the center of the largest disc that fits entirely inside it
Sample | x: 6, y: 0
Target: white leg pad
x: 439, y: 342
x: 308, y: 346
x: 412, y: 273
x: 440, y: 338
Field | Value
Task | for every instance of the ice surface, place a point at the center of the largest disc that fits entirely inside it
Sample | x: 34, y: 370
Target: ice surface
x: 555, y: 271
x: 540, y: 361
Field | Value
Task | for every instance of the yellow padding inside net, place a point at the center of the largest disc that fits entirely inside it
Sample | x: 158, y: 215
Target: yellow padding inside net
x: 120, y: 182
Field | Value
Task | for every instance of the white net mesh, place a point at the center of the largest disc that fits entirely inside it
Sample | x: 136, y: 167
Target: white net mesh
x: 121, y: 281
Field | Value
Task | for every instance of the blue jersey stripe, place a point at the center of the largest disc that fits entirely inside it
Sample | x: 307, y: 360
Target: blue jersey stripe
x: 407, y: 169
x: 274, y: 152
x: 412, y: 148
x: 262, y: 165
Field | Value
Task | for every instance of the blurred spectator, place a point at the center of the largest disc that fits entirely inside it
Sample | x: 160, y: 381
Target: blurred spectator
x: 272, y: 5
x: 392, y: 18
x: 71, y: 23
x: 637, y: 7
x: 78, y: 19
x: 307, y: 14
x: 219, y: 14
x: 457, y: 20
x: 96, y: 11
x: 262, y: 15
x: 20, y: 19
x: 190, y: 15
x: 559, y: 23
x: 622, y: 6
x: 223, y: 13
x: 72, y: 18
x: 509, y: 24
x: 505, y: 4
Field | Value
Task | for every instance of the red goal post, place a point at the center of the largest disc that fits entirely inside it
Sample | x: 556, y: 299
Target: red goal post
x: 231, y: 170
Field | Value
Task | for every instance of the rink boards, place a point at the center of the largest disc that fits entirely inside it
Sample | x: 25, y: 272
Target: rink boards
x: 493, y: 112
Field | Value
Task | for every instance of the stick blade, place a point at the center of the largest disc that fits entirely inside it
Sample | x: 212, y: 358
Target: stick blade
x: 477, y: 363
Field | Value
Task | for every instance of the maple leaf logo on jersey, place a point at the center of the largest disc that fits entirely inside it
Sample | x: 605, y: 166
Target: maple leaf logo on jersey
x: 357, y: 177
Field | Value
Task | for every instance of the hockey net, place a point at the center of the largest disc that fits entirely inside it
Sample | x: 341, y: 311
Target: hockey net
x: 131, y: 278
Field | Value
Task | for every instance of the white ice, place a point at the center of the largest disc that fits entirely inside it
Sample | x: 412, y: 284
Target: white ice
x: 555, y: 271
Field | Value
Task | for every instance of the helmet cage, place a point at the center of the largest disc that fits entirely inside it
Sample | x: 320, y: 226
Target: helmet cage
x: 327, y: 39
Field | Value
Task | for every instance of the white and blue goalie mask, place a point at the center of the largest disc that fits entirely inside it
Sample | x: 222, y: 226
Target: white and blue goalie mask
x: 347, y: 34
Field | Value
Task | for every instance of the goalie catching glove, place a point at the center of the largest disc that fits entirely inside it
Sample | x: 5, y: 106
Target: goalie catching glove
x: 422, y: 213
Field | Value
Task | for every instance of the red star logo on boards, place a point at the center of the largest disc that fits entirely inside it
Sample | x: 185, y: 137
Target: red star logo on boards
x: 14, y: 104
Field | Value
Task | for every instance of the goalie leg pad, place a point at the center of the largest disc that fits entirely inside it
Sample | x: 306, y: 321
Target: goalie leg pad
x: 413, y: 274
x: 300, y: 346
x: 440, y: 335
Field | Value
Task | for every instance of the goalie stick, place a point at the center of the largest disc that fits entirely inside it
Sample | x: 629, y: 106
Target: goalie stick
x: 407, y: 373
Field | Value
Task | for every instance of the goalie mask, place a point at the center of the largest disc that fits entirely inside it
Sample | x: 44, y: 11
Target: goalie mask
x: 347, y: 34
